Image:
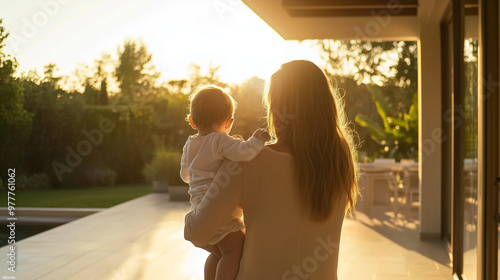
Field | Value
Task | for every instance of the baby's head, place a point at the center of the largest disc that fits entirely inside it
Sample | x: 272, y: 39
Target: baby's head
x: 212, y: 110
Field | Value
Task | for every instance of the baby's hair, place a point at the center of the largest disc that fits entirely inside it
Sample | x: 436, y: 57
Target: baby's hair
x: 211, y: 106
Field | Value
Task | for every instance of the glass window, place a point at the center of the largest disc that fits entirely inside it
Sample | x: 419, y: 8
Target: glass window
x: 470, y: 122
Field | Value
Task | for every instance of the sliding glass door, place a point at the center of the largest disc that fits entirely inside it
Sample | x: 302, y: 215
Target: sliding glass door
x: 470, y: 99
x: 488, y: 131
x: 470, y: 162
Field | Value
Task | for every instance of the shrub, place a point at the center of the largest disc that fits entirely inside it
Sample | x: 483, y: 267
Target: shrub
x: 165, y: 166
x: 100, y: 176
x: 39, y: 181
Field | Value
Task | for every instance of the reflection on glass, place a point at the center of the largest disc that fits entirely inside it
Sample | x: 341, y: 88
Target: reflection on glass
x: 470, y: 122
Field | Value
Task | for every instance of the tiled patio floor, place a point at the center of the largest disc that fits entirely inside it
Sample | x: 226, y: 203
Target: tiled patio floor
x: 143, y: 239
x: 378, y: 247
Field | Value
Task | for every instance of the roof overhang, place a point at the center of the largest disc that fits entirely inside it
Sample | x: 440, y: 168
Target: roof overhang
x: 340, y: 19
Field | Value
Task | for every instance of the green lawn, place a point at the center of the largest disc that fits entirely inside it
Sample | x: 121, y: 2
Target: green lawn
x: 96, y: 197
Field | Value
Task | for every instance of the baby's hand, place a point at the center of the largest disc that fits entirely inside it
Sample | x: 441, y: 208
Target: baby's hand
x: 262, y: 135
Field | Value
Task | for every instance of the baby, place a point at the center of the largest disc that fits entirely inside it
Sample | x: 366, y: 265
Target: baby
x: 211, y: 114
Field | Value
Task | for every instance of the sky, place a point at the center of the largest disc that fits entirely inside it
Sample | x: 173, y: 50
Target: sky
x: 176, y: 32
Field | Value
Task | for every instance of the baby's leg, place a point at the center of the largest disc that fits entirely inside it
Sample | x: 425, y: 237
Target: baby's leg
x: 231, y: 248
x: 212, y: 262
x: 211, y: 267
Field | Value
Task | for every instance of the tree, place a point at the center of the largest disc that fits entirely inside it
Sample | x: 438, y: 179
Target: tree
x: 197, y: 79
x: 14, y: 119
x: 103, y: 93
x: 250, y: 114
x: 57, y: 122
x: 385, y: 63
x: 101, y: 70
x: 134, y: 72
x: 357, y: 99
x: 49, y: 75
x: 372, y: 61
x: 398, y: 136
x: 391, y: 67
x: 177, y: 86
x: 104, y: 68
x: 91, y: 95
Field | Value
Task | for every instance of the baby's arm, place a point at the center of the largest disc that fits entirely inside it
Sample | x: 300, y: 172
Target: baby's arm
x: 184, y: 167
x: 239, y: 150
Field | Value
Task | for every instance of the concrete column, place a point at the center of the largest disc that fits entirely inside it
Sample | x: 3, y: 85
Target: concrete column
x: 430, y: 131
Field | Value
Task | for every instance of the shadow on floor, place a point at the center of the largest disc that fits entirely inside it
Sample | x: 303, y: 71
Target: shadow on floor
x: 403, y: 230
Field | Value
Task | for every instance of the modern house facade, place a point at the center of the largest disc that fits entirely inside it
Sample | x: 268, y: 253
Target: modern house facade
x: 459, y: 82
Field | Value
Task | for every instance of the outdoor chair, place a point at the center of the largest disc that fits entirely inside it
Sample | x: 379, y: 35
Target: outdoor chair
x: 411, y: 187
x: 396, y: 191
x: 404, y: 189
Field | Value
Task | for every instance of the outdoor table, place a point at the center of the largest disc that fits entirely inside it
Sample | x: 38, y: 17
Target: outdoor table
x: 379, y: 181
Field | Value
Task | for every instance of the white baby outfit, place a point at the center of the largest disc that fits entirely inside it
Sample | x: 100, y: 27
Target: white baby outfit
x: 202, y: 157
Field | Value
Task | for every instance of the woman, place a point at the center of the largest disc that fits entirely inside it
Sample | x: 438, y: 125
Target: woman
x: 294, y: 194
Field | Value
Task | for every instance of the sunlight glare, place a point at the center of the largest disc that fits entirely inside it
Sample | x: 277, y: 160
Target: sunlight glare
x: 176, y: 32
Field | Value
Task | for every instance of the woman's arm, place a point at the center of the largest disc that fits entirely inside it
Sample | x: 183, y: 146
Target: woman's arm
x: 222, y: 198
